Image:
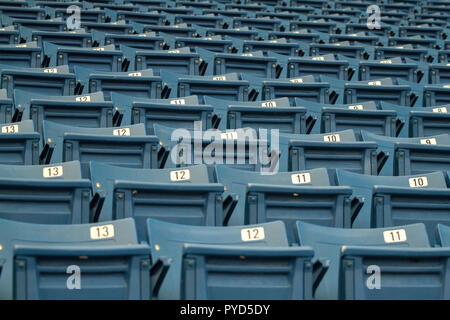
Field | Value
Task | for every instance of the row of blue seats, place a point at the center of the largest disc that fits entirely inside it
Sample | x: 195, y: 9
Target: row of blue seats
x: 58, y: 81
x: 305, y: 117
x: 167, y: 147
x: 186, y: 262
x: 61, y: 193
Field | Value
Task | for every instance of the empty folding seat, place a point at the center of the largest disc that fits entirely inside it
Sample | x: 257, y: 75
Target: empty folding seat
x: 294, y: 36
x: 141, y: 83
x: 254, y: 63
x: 75, y: 38
x: 361, y: 116
x: 418, y: 54
x: 399, y: 276
x: 270, y: 114
x: 429, y: 121
x: 247, y: 7
x: 80, y: 111
x: 196, y: 4
x: 181, y: 60
x: 443, y: 235
x: 280, y: 46
x: 320, y: 65
x: 355, y: 38
x: 19, y: 143
x: 415, y: 41
x: 439, y: 73
x: 355, y: 28
x: 425, y: 31
x: 339, y: 18
x: 6, y: 107
x: 44, y: 25
x: 178, y: 30
x: 205, y: 20
x: 55, y: 81
x: 390, y: 68
x: 312, y: 3
x: 119, y: 27
x: 9, y: 35
x: 123, y: 146
x: 406, y: 264
x: 25, y: 55
x: 175, y: 113
x: 286, y: 16
x: 38, y: 261
x: 328, y: 150
x: 227, y: 86
x: 214, y: 43
x: 305, y: 10
x: 86, y: 15
x: 226, y: 13
x: 144, y: 41
x: 385, y: 89
x: 44, y: 194
x: 320, y: 26
x: 182, y: 195
x: 239, y: 148
x: 301, y: 87
x: 243, y: 33
x: 173, y: 10
x: 101, y: 58
x: 258, y: 23
x: 23, y: 13
x: 410, y: 156
x: 343, y: 48
x: 140, y: 17
x: 286, y: 196
x: 433, y: 9
x: 223, y: 256
x: 435, y: 95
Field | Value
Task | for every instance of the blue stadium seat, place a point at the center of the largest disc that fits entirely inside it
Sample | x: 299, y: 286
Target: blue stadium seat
x: 301, y: 87
x: 243, y: 33
x: 343, y: 48
x: 25, y: 55
x: 9, y: 35
x: 80, y: 111
x: 144, y: 41
x: 105, y: 58
x: 181, y: 61
x: 175, y: 246
x: 122, y: 146
x: 439, y: 73
x: 258, y: 23
x: 287, y: 196
x: 415, y: 41
x: 390, y: 68
x: 361, y: 116
x: 44, y: 194
x: 355, y: 38
x: 227, y: 86
x: 328, y: 150
x: 19, y: 143
x: 23, y: 13
x: 425, y: 31
x: 38, y: 261
x: 179, y: 30
x: 75, y: 38
x: 176, y: 113
x: 57, y: 9
x: 239, y: 148
x: 205, y: 21
x: 119, y: 27
x: 411, y: 156
x: 140, y: 17
x: 44, y: 25
x: 420, y: 55
x: 302, y: 35
x: 435, y: 95
x: 319, y: 26
x: 279, y: 46
x: 254, y: 63
x: 183, y: 195
x: 430, y: 121
x: 143, y: 83
x: 420, y: 274
x: 386, y: 245
x: 392, y: 201
x: 55, y: 81
x: 213, y: 43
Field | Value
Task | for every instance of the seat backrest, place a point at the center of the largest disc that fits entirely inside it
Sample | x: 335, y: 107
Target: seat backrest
x: 327, y: 243
x: 167, y: 240
x: 363, y: 188
x: 29, y: 249
x: 443, y: 235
